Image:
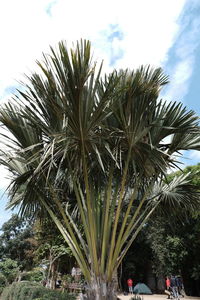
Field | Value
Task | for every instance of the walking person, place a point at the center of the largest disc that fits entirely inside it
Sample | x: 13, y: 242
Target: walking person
x: 180, y: 286
x: 167, y: 282
x: 130, y: 285
x: 174, y: 287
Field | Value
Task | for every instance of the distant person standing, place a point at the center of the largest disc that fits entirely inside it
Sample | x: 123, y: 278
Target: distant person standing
x: 73, y: 272
x: 130, y: 285
x: 180, y: 286
x: 167, y: 282
x: 174, y: 287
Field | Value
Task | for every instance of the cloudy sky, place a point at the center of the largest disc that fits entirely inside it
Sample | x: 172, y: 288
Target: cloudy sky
x: 125, y: 34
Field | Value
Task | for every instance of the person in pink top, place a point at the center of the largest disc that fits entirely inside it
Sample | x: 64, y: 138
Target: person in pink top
x: 167, y: 282
x: 130, y: 285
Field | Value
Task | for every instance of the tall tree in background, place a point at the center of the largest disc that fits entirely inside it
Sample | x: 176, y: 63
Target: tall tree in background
x: 81, y: 147
x: 17, y: 242
x: 168, y: 244
x: 180, y: 234
x: 51, y: 251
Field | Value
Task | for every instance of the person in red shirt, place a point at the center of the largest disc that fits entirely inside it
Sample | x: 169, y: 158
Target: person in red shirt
x: 130, y: 285
x: 167, y: 282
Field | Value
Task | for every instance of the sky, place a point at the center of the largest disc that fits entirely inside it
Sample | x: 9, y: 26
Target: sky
x: 125, y: 34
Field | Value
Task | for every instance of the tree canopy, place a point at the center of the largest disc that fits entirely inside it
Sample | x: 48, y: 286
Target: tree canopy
x: 17, y: 242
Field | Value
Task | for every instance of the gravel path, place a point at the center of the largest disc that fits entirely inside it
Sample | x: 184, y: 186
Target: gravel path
x: 156, y: 297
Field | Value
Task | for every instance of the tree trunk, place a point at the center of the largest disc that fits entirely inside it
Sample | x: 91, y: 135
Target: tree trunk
x: 52, y: 276
x: 161, y: 283
x: 99, y: 289
x: 151, y: 279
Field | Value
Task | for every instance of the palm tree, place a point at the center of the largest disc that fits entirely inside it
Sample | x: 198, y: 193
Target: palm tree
x: 91, y: 151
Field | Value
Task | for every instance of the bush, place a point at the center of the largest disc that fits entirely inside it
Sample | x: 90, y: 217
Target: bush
x: 33, y: 291
x: 34, y: 275
x: 9, y: 269
x: 2, y: 282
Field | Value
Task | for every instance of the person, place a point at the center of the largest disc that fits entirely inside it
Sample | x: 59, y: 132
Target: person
x: 173, y: 286
x: 180, y: 285
x: 130, y: 285
x: 73, y: 272
x: 167, y: 282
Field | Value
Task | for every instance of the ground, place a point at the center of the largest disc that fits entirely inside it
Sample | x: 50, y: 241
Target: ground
x: 156, y: 297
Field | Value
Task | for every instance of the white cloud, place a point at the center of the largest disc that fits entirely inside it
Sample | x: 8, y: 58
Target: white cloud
x: 182, y: 67
x: 195, y: 155
x: 149, y: 29
x: 179, y: 80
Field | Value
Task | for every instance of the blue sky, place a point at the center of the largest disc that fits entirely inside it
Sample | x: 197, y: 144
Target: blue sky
x: 124, y: 34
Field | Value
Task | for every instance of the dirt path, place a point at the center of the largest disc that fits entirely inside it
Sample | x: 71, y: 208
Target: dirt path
x: 156, y: 297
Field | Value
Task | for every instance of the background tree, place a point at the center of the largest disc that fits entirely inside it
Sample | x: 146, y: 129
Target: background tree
x: 169, y: 244
x: 9, y: 269
x: 52, y: 252
x: 98, y: 141
x: 179, y: 232
x: 26, y: 246
x: 17, y: 242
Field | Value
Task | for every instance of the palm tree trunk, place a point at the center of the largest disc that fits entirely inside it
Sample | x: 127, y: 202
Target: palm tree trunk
x: 99, y: 289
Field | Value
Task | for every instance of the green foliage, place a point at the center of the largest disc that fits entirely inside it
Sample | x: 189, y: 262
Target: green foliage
x: 9, y: 269
x: 56, y: 251
x: 67, y: 278
x: 170, y: 243
x: 3, y: 282
x: 176, y: 254
x: 33, y: 291
x: 45, y: 230
x: 194, y: 174
x: 33, y: 275
x: 167, y: 249
x: 51, y: 246
x: 174, y: 240
x: 187, y: 231
x: 17, y: 241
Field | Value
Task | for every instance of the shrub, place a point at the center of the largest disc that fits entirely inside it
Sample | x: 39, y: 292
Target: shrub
x: 2, y: 282
x: 33, y: 291
x: 10, y: 269
x: 67, y: 278
x: 34, y: 275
